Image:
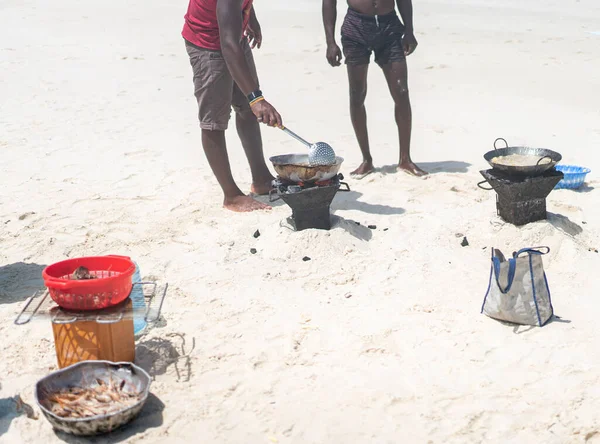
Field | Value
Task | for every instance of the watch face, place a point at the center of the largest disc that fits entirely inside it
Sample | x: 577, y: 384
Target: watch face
x: 254, y: 95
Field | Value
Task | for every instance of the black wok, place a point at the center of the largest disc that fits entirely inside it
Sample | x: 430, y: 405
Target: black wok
x: 538, y: 156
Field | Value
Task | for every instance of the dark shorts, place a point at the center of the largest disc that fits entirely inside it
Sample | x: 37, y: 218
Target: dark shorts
x: 214, y: 88
x: 364, y: 34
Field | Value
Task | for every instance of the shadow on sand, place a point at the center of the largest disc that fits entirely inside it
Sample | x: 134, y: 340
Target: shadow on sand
x: 349, y: 201
x: 150, y: 417
x: 266, y: 200
x: 564, y: 224
x: 7, y: 414
x: 18, y: 281
x: 448, y: 166
x: 158, y: 354
x: 585, y: 189
x: 521, y: 329
x: 352, y: 227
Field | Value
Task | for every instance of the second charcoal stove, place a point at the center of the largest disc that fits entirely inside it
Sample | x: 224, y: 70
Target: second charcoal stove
x: 521, y: 200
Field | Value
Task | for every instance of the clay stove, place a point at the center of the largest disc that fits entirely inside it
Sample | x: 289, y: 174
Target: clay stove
x: 521, y: 199
x: 310, y: 202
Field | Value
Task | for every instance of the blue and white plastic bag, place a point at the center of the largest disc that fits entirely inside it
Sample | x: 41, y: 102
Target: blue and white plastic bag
x: 518, y: 289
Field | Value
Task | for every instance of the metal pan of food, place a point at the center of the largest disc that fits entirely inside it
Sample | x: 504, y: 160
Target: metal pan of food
x: 93, y: 397
x: 520, y: 160
x: 295, y: 168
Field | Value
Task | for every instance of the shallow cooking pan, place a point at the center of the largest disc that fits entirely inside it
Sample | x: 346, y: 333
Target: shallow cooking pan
x: 295, y: 168
x: 541, y: 159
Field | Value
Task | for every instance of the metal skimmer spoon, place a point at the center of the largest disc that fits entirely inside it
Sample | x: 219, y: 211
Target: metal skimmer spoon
x: 319, y: 153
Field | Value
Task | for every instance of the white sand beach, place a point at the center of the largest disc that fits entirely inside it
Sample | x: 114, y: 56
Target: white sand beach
x: 379, y: 337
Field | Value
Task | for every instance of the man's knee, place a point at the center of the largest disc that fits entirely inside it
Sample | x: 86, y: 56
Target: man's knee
x: 402, y: 89
x: 400, y: 92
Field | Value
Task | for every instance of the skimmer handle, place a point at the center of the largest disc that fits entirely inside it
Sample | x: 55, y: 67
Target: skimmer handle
x: 295, y: 136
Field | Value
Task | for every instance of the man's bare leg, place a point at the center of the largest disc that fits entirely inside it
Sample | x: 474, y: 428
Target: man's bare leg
x: 396, y: 74
x: 249, y: 132
x: 216, y: 154
x: 357, y: 79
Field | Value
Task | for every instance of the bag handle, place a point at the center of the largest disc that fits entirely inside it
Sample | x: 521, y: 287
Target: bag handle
x: 532, y: 250
x: 512, y: 265
x: 512, y: 268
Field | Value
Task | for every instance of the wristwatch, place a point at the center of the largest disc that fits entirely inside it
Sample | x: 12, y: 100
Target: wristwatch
x: 254, y: 95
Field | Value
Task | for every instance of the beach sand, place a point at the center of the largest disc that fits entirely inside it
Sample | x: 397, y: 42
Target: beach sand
x: 378, y: 338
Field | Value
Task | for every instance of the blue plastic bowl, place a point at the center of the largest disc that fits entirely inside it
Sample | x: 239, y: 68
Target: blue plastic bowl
x: 574, y: 176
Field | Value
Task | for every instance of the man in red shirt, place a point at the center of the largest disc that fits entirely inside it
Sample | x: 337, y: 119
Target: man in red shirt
x: 218, y: 35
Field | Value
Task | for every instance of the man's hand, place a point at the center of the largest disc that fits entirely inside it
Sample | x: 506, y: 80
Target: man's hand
x: 334, y: 54
x: 409, y: 43
x: 266, y: 113
x: 254, y: 33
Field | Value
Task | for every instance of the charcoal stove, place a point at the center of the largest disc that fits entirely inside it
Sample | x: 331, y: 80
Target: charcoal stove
x: 521, y: 199
x: 310, y: 201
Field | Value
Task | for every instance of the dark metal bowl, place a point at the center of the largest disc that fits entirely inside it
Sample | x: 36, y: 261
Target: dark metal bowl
x: 295, y: 168
x: 84, y: 374
x: 535, y: 169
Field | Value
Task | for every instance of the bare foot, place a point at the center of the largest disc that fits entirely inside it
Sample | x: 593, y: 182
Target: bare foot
x: 262, y: 188
x: 364, y: 168
x: 412, y: 169
x: 244, y: 204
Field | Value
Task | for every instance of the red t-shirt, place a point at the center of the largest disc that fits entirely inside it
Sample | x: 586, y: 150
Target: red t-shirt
x: 201, y: 27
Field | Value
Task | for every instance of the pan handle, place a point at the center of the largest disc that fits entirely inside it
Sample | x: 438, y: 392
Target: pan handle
x: 486, y: 189
x: 344, y: 187
x: 503, y: 140
x: 271, y: 193
x: 549, y: 157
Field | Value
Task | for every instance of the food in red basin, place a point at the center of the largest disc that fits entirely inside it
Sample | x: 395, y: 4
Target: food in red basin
x: 109, y: 283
